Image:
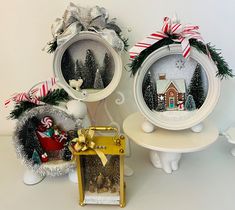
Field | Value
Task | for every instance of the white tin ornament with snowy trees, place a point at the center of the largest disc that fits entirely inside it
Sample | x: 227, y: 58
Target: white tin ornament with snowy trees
x: 176, y: 93
x: 87, y: 56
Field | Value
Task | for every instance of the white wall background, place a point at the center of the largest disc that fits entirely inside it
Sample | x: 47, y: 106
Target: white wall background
x: 25, y: 28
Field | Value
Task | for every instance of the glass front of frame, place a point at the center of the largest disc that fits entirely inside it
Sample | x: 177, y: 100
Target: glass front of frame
x: 175, y: 88
x: 87, y: 65
x: 176, y: 93
x: 101, y: 184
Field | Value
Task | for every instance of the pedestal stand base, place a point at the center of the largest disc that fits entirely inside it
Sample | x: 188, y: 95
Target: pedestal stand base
x: 168, y: 161
x: 31, y: 178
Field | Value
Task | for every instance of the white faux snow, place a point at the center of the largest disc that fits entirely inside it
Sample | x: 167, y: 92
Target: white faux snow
x: 102, y: 198
x: 174, y: 115
x: 162, y: 85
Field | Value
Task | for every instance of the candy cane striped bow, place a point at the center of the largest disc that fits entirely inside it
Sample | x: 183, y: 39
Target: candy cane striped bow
x: 34, y: 94
x: 182, y: 34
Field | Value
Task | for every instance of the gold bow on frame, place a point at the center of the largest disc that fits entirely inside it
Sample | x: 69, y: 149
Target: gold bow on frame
x: 85, y: 142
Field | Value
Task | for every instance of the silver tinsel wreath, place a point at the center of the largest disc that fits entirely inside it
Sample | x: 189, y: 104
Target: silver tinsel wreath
x: 61, y: 118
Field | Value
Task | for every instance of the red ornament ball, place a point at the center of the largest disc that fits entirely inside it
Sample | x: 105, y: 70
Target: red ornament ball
x: 41, y: 128
x: 44, y: 157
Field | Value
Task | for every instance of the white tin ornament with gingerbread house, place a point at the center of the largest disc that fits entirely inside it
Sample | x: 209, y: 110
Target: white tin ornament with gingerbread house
x: 171, y: 105
x: 177, y: 77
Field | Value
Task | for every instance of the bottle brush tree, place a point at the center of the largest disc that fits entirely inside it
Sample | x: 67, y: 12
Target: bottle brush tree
x: 35, y: 158
x: 196, y: 88
x: 148, y: 88
x: 149, y: 97
x: 190, y: 103
x: 98, y: 83
x: 106, y: 72
x: 88, y: 73
x: 78, y: 70
x: 67, y: 66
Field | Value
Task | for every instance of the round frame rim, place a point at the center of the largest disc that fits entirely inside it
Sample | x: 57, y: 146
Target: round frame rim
x: 47, y: 169
x: 92, y: 97
x: 212, y: 94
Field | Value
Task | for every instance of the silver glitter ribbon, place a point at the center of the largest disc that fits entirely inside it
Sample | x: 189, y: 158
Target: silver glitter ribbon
x: 77, y: 19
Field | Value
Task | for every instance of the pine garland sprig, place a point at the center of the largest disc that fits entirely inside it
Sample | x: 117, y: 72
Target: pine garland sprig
x: 223, y: 69
x: 52, y: 47
x: 52, y: 98
x: 137, y: 62
x: 125, y: 42
x: 55, y: 97
x: 21, y: 108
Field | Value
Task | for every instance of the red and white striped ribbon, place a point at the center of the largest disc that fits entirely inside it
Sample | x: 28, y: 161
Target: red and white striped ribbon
x: 18, y: 97
x: 46, y: 87
x: 182, y: 32
x: 34, y: 94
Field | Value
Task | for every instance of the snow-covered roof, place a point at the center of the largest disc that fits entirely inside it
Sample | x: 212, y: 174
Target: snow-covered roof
x: 162, y: 85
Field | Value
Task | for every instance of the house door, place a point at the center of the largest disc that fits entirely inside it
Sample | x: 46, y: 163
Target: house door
x: 171, y: 102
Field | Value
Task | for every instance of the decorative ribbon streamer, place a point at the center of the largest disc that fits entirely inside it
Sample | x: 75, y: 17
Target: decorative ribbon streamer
x: 85, y: 142
x: 18, y: 97
x: 77, y: 19
x: 46, y: 87
x: 34, y: 94
x: 181, y: 32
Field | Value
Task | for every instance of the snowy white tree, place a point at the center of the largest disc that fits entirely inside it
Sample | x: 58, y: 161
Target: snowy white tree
x: 98, y: 83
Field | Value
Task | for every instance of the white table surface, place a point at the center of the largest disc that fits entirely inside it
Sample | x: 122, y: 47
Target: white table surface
x: 205, y: 181
x: 163, y: 140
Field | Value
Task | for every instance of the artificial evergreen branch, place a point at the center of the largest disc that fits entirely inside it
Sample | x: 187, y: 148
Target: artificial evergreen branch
x: 223, y: 69
x: 113, y: 26
x: 125, y: 42
x: 52, y: 98
x: 20, y: 108
x: 52, y: 47
x: 137, y: 62
x: 55, y: 97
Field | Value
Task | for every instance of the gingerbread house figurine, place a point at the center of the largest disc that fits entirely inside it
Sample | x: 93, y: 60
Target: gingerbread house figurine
x: 170, y: 92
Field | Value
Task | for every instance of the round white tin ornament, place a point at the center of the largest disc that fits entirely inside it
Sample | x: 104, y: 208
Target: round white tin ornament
x: 77, y: 48
x: 168, y: 61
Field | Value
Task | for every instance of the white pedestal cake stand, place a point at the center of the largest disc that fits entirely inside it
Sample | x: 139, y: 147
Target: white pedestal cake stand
x: 230, y: 135
x: 166, y: 146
